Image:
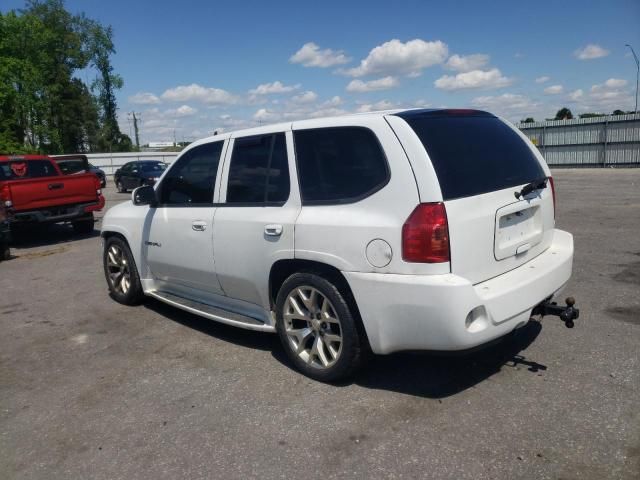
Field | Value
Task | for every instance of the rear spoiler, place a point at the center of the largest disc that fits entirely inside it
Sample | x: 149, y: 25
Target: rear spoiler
x: 70, y: 164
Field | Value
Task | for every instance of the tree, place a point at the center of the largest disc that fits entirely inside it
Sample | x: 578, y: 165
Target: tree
x: 528, y: 120
x: 564, y: 114
x: 43, y: 105
x: 618, y: 112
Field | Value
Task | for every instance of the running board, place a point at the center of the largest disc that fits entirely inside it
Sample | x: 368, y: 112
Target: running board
x: 211, y: 312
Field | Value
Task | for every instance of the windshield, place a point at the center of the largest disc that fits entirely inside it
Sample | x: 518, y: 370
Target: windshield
x: 153, y: 167
x: 473, y: 153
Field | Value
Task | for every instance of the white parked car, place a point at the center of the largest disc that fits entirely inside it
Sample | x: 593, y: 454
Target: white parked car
x: 380, y: 232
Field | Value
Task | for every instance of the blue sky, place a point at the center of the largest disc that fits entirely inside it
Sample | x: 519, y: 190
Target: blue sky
x: 195, y: 66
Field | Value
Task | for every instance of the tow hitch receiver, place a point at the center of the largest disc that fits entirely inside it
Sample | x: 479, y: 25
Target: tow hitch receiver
x: 567, y: 314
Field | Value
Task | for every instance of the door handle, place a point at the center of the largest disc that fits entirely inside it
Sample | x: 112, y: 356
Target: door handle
x: 273, y: 230
x: 55, y: 186
x: 199, y: 226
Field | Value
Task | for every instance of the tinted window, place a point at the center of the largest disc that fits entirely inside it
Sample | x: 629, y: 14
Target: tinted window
x: 259, y: 171
x: 153, y: 167
x: 339, y: 164
x: 27, y: 169
x: 191, y: 180
x: 475, y: 153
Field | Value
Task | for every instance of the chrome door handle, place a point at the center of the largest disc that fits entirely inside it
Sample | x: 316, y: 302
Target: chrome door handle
x: 273, y: 230
x: 199, y: 226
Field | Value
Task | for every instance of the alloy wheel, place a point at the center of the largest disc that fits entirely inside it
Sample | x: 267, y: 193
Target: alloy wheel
x: 118, y: 270
x: 312, y: 327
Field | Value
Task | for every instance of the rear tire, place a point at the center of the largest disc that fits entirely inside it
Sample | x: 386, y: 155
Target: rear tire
x: 121, y: 272
x: 5, y: 251
x: 84, y: 227
x: 317, y: 328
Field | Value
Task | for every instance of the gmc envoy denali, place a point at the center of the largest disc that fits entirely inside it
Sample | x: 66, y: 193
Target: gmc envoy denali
x: 396, y: 230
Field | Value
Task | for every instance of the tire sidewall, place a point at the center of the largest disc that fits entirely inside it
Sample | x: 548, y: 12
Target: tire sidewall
x: 350, y: 355
x: 134, y: 295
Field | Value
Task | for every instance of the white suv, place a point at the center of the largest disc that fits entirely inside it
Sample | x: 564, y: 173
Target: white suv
x: 380, y: 232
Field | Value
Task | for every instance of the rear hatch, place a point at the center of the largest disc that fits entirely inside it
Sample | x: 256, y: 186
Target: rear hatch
x: 36, y: 184
x: 481, y: 163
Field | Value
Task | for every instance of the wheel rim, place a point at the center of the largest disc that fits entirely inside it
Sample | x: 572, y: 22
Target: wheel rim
x: 313, y: 327
x: 118, y: 270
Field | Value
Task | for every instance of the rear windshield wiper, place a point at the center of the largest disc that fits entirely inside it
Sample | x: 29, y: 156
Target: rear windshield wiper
x: 530, y: 187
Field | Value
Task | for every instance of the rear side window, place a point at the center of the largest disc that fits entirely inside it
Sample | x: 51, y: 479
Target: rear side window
x: 18, y: 169
x: 339, y: 164
x: 191, y: 180
x: 474, y: 153
x: 259, y: 171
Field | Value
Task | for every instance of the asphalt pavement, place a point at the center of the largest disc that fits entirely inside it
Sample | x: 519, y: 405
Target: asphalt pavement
x: 93, y: 389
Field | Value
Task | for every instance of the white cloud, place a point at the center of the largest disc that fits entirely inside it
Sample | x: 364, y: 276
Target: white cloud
x: 590, y: 52
x: 264, y: 115
x: 461, y: 63
x: 305, y: 97
x: 182, y: 111
x: 554, y: 90
x: 543, y: 79
x: 273, y: 87
x: 310, y: 55
x: 144, y: 98
x: 395, y: 57
x: 195, y: 92
x: 372, y: 107
x: 384, y: 83
x: 615, y: 83
x: 576, y: 95
x: 506, y: 101
x: 475, y: 79
x: 333, y: 102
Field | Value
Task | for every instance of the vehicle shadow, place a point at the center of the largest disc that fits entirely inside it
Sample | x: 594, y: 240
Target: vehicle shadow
x: 238, y: 336
x: 420, y: 374
x: 40, y: 236
x: 435, y: 375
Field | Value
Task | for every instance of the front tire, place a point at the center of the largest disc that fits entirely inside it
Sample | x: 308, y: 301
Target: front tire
x: 5, y: 252
x: 120, y: 187
x: 317, y: 328
x: 121, y: 273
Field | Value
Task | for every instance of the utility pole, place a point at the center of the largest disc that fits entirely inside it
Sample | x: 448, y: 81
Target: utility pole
x: 135, y: 126
x: 635, y: 57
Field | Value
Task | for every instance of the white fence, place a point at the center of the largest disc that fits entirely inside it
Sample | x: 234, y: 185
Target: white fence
x: 110, y: 162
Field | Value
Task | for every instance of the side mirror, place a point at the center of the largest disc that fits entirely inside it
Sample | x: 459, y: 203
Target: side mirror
x: 144, y: 195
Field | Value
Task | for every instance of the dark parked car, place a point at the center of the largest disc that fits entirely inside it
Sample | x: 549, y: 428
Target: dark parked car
x: 71, y: 164
x: 135, y: 174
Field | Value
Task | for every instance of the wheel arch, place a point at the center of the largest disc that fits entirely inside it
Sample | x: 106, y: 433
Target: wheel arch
x: 283, y: 269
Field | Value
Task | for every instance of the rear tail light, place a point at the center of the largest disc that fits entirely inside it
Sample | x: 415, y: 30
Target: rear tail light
x: 553, y: 192
x: 5, y: 196
x: 425, y: 234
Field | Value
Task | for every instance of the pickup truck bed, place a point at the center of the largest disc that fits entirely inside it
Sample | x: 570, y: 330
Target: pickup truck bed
x: 35, y: 191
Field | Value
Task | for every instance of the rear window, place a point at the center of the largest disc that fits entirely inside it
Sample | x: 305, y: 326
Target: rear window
x: 153, y: 167
x: 18, y: 169
x: 339, y: 164
x: 474, y: 153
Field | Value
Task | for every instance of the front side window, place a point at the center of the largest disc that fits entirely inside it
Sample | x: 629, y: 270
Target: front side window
x: 259, y: 170
x: 191, y: 180
x: 339, y: 164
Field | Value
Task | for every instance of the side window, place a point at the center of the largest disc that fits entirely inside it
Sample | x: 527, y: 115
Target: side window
x: 191, y: 180
x: 259, y: 171
x: 339, y: 164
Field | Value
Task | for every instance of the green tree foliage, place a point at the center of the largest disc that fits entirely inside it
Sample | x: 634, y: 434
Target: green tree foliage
x: 44, y: 106
x: 564, y: 114
x: 528, y: 120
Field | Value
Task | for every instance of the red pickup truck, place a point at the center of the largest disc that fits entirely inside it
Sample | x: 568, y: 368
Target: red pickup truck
x: 35, y: 191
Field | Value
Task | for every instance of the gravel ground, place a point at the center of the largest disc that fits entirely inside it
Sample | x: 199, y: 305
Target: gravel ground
x: 93, y: 389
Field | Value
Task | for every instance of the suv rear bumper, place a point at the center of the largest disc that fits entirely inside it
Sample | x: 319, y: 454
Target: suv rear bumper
x: 447, y: 312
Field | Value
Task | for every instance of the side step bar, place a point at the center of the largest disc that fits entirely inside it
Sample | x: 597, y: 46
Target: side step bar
x: 211, y: 312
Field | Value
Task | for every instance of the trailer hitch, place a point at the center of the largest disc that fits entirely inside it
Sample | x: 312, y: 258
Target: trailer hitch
x: 567, y: 313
